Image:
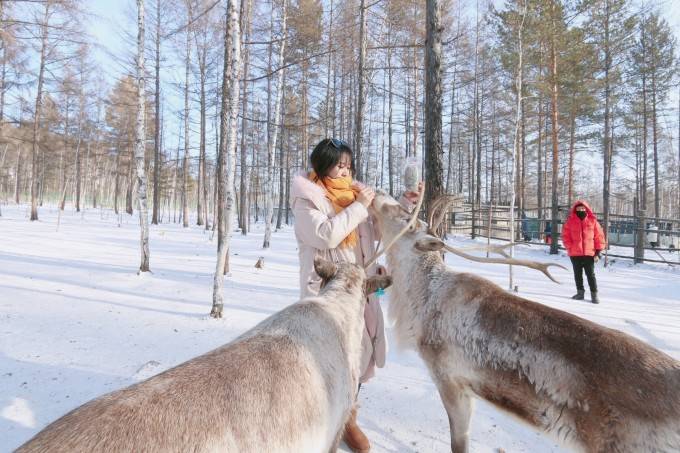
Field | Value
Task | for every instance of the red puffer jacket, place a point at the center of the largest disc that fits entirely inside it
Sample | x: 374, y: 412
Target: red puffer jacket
x: 582, y: 237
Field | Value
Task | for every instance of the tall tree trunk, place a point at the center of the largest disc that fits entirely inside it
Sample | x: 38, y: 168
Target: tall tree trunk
x: 202, y: 189
x: 116, y: 194
x: 416, y: 81
x: 130, y: 181
x: 555, y: 145
x: 140, y: 140
x: 475, y: 188
x: 643, y: 157
x: 187, y: 128
x: 657, y: 192
x: 433, y: 107
x: 361, y: 95
x: 282, y: 182
x: 539, y: 165
x: 522, y: 152
x: 276, y: 120
x: 390, y: 154
x: 328, y: 82
x: 452, y: 125
x: 572, y: 141
x: 18, y: 181
x: 243, y: 187
x: 519, y: 115
x: 607, y: 117
x: 227, y: 155
x: 157, y: 122
x: 38, y: 113
x: 62, y: 165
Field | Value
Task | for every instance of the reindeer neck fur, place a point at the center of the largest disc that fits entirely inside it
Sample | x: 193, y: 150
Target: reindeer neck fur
x: 414, y: 274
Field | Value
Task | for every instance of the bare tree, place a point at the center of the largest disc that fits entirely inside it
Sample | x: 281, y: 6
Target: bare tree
x: 227, y: 158
x: 555, y: 125
x: 361, y: 92
x: 157, y: 120
x: 433, y: 106
x: 243, y: 205
x: 140, y: 142
x: 275, y: 125
x: 187, y: 128
x: 44, y: 36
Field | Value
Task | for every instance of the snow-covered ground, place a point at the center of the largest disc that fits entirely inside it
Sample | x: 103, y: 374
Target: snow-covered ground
x: 76, y: 321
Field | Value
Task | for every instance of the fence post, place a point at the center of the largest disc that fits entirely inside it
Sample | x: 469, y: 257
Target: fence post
x: 640, y: 237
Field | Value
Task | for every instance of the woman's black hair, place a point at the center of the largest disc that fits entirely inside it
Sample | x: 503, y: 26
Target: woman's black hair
x: 326, y: 155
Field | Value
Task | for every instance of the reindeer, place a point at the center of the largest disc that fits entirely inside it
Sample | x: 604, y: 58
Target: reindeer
x: 592, y: 388
x: 286, y: 385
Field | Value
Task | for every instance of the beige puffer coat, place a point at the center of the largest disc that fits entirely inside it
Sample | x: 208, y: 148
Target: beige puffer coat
x: 319, y: 232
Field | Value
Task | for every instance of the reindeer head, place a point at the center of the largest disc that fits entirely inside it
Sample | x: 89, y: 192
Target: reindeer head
x: 392, y: 218
x: 349, y: 276
x: 397, y: 224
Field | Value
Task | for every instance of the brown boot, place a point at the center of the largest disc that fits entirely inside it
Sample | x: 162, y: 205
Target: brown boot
x: 355, y: 439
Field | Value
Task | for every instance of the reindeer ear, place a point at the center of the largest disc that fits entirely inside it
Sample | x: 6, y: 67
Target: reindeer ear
x: 372, y: 284
x: 429, y: 244
x: 324, y: 268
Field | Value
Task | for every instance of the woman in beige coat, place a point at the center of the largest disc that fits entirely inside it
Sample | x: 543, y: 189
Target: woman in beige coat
x: 332, y: 221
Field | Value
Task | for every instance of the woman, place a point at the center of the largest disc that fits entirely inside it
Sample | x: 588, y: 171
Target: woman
x: 332, y: 221
x: 584, y: 239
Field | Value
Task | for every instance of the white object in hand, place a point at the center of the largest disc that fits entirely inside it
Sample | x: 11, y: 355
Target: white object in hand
x: 411, y: 176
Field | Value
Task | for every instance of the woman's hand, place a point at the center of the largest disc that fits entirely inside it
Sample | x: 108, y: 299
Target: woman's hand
x: 413, y: 196
x: 365, y: 196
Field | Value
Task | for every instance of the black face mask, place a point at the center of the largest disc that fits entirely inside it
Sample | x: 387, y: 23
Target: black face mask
x: 581, y: 214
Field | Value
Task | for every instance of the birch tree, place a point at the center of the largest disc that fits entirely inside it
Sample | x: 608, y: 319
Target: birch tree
x: 140, y: 142
x: 226, y: 167
x: 157, y: 120
x: 275, y: 125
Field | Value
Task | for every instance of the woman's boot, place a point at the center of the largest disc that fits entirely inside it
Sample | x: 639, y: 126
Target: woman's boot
x: 593, y: 297
x: 355, y: 439
x: 580, y: 294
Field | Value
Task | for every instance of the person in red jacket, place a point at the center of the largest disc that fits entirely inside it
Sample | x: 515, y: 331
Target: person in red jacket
x: 584, y: 239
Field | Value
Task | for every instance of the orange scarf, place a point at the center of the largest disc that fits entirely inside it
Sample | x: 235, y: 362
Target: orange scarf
x: 341, y: 194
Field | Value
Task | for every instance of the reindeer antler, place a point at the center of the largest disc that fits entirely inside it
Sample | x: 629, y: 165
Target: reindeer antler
x: 543, y: 267
x: 438, y: 209
x: 499, y: 249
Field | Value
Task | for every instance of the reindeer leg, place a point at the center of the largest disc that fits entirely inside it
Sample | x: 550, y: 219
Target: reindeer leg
x: 458, y: 405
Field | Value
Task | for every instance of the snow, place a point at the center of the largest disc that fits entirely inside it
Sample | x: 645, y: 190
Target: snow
x: 76, y: 321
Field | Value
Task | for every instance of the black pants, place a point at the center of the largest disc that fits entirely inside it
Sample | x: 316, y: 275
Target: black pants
x: 580, y: 264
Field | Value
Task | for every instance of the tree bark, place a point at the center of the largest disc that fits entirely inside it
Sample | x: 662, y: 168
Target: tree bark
x: 187, y: 129
x: 359, y: 118
x: 157, y: 122
x: 555, y: 145
x: 572, y: 141
x: 38, y: 113
x: 276, y: 120
x: 227, y: 153
x: 140, y: 141
x: 607, y: 117
x: 390, y: 154
x: 657, y: 192
x: 433, y: 107
x: 243, y: 187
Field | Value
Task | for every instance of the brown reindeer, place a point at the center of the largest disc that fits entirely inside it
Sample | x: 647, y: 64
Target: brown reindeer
x: 286, y: 385
x: 592, y: 388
